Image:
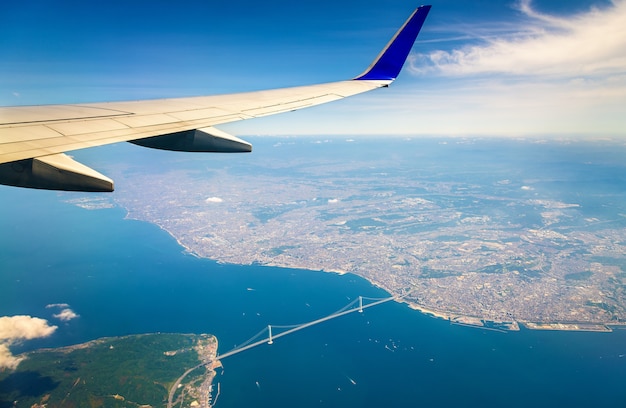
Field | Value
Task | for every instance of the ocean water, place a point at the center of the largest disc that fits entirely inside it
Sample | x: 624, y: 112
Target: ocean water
x: 125, y: 277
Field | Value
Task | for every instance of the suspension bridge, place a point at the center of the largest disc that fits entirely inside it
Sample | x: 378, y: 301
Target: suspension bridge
x: 272, y: 335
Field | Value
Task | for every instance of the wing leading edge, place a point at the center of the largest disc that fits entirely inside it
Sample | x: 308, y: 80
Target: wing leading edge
x: 33, y: 139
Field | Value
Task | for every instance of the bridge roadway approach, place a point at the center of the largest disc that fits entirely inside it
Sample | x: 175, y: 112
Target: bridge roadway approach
x: 270, y: 339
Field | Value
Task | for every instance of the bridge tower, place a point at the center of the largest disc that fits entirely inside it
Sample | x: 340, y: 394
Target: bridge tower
x: 360, y: 304
x: 269, y: 328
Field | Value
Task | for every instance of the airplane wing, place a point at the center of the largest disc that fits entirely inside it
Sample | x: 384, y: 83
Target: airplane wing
x: 33, y: 139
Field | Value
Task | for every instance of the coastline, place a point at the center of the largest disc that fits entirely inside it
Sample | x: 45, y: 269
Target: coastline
x: 588, y: 327
x: 454, y: 318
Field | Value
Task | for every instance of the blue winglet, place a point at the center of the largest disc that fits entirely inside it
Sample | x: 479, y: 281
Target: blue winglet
x: 388, y: 64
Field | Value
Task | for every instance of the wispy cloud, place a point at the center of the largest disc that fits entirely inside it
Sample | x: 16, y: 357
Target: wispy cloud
x: 531, y: 74
x: 14, y: 329
x: 55, y: 305
x: 589, y: 43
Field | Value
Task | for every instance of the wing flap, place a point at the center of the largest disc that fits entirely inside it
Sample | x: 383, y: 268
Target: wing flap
x: 86, y: 127
x: 16, y: 115
x: 138, y: 121
x: 13, y: 137
x: 290, y: 106
x: 196, y: 114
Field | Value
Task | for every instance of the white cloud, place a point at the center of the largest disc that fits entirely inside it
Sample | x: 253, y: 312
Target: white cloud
x: 66, y: 315
x: 333, y: 200
x: 590, y: 43
x: 17, y: 328
x: 7, y: 359
x: 23, y: 328
x: 538, y: 75
x: 214, y: 200
x: 59, y: 305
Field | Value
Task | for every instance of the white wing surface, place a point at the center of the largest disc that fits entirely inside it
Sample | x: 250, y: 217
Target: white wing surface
x: 34, y: 138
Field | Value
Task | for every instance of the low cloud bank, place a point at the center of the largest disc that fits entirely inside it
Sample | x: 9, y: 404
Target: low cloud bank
x: 14, y: 329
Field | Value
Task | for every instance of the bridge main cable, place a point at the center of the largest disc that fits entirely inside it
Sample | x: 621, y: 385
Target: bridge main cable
x: 258, y: 343
x: 302, y: 326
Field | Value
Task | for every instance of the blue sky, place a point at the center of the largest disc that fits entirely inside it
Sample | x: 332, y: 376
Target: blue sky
x: 485, y: 67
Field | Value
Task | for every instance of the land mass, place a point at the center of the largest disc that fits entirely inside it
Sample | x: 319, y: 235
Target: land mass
x: 129, y: 371
x: 477, y: 232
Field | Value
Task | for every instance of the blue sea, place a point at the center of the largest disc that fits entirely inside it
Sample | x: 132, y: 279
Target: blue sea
x: 124, y: 277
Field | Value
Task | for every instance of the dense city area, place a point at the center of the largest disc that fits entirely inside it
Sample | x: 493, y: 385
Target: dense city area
x: 472, y: 247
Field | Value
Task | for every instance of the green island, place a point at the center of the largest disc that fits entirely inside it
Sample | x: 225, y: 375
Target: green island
x: 129, y: 371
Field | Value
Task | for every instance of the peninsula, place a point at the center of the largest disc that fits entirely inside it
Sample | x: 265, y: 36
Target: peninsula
x: 129, y: 371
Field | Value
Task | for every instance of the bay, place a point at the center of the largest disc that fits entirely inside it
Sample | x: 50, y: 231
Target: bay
x: 124, y: 277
